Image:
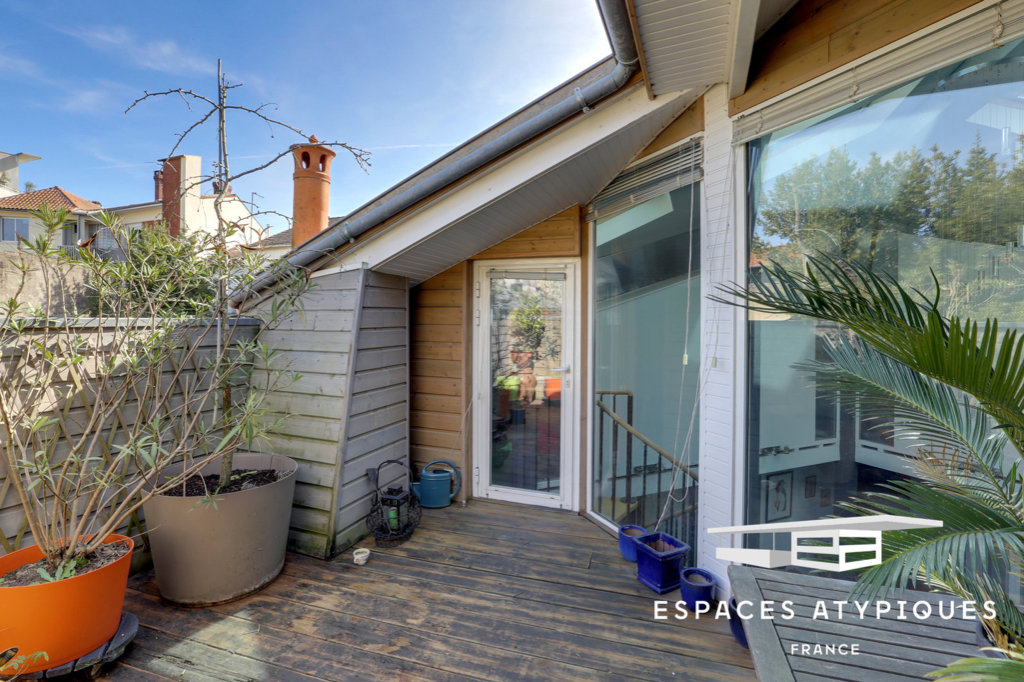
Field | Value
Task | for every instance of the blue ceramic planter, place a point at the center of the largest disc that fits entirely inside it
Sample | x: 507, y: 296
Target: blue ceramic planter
x: 658, y: 558
x: 627, y: 544
x: 696, y: 585
x: 736, y: 624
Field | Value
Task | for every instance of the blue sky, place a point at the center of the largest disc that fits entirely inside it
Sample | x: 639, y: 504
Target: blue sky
x: 406, y: 80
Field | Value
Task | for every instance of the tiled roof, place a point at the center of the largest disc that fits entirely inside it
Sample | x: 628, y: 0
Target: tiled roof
x: 54, y: 197
x: 283, y: 238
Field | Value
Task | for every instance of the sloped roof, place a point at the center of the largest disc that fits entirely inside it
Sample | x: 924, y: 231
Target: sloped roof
x: 283, y: 238
x: 54, y: 197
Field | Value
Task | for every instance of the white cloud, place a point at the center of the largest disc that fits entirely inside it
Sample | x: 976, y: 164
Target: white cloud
x: 159, y: 55
x: 16, y: 66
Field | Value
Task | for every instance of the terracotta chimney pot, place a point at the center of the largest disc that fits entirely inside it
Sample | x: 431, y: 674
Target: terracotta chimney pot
x: 312, y: 192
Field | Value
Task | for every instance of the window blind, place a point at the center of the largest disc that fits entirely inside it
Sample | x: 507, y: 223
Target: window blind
x: 990, y: 25
x: 663, y: 173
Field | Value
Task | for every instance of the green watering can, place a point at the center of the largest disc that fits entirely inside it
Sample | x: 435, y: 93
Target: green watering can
x: 434, y: 489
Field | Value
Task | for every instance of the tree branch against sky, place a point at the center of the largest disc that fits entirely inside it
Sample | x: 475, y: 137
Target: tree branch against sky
x: 410, y: 80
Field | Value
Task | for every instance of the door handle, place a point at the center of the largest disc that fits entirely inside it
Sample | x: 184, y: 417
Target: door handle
x: 567, y: 368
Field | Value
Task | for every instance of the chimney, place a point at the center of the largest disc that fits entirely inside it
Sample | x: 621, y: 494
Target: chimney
x: 158, y: 185
x: 179, y: 192
x: 312, y: 180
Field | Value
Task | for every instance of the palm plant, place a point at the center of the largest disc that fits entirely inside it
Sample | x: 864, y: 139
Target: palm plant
x: 953, y: 386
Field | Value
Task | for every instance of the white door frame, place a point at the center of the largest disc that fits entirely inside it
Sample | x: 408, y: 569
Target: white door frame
x: 571, y: 334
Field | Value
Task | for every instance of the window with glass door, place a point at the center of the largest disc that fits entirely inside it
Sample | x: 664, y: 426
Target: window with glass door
x: 646, y: 327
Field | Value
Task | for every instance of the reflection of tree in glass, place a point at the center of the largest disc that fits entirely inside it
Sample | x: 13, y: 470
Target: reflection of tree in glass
x: 908, y: 214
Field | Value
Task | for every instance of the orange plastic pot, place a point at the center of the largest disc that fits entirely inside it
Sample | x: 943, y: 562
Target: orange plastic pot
x: 66, y: 619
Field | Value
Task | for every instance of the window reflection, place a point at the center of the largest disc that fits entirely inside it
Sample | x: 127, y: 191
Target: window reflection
x: 927, y: 177
x: 647, y: 347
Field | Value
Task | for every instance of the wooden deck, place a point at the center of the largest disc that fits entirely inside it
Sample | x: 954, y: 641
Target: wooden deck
x: 489, y: 592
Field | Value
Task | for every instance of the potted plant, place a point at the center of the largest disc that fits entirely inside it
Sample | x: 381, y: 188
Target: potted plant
x: 528, y: 329
x: 658, y: 560
x: 102, y: 411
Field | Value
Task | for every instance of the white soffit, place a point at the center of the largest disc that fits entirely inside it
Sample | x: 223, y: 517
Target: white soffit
x: 685, y: 42
x: 568, y: 167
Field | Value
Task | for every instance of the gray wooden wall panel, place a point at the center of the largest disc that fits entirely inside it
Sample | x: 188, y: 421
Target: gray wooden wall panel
x: 376, y: 427
x: 318, y: 345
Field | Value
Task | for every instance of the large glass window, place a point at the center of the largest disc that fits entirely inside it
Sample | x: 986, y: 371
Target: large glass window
x: 928, y: 176
x: 647, y: 347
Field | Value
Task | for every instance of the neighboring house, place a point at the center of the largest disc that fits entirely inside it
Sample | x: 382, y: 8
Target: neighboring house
x: 535, y: 305
x: 9, y: 176
x: 17, y: 221
x: 180, y: 205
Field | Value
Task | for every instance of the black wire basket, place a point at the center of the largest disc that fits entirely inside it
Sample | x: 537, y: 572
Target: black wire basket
x: 394, y: 512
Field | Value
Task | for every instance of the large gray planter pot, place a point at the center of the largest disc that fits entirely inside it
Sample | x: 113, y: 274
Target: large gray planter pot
x: 207, y: 556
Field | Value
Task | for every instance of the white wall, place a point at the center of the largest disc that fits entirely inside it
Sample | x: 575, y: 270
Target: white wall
x: 722, y: 410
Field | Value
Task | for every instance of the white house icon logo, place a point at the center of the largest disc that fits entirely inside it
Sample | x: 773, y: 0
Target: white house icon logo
x: 825, y: 544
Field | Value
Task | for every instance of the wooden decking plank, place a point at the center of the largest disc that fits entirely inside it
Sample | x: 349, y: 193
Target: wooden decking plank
x: 299, y: 655
x: 564, y: 523
x: 492, y: 630
x: 183, y: 659
x: 519, y: 567
x: 122, y: 672
x: 400, y: 635
x: 546, y: 553
x: 606, y: 547
x: 491, y: 592
x: 650, y: 634
x: 448, y: 577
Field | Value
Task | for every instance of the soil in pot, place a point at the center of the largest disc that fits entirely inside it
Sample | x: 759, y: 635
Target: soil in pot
x: 29, y: 575
x: 241, y: 479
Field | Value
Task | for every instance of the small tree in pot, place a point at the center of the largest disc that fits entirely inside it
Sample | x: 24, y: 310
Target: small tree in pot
x: 528, y: 329
x: 102, y: 411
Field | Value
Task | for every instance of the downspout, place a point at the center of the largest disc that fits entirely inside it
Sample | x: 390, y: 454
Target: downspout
x: 617, y: 26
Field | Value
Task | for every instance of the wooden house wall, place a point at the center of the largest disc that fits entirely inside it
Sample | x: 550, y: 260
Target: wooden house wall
x: 316, y: 345
x: 817, y: 36
x: 441, y: 343
x: 376, y: 424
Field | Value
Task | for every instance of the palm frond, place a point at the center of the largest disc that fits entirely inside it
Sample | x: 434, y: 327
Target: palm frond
x: 1010, y: 669
x: 952, y: 433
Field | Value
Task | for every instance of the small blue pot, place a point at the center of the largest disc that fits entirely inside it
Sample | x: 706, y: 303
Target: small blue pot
x: 696, y: 585
x: 736, y: 624
x: 658, y: 560
x: 627, y: 541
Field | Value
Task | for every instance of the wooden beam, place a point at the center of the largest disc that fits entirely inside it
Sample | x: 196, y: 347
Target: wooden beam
x: 635, y: 27
x: 744, y: 30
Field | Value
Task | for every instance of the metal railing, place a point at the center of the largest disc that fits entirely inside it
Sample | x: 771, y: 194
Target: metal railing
x: 646, y: 484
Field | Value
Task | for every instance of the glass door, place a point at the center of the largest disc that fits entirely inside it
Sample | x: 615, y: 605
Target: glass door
x: 524, y: 383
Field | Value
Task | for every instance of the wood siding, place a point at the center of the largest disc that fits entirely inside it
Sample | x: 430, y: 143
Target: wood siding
x: 376, y: 424
x: 817, y: 36
x: 316, y: 345
x: 437, y: 379
x: 688, y: 123
x: 441, y: 343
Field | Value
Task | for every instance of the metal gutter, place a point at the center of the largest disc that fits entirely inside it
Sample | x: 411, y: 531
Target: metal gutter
x: 616, y: 21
